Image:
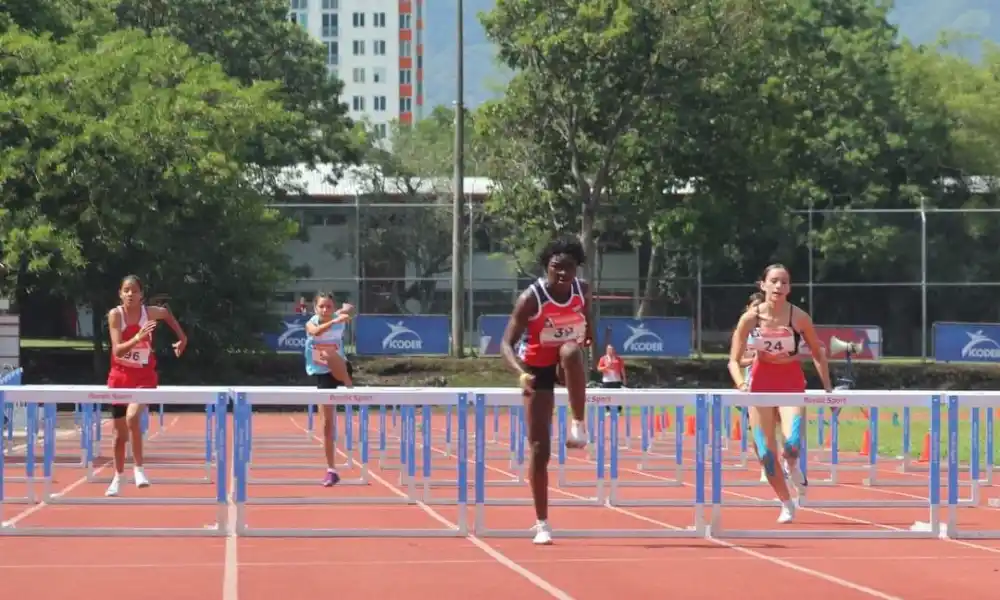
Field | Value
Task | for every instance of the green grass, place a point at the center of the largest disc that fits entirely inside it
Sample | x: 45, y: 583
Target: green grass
x: 890, y: 442
x: 58, y: 343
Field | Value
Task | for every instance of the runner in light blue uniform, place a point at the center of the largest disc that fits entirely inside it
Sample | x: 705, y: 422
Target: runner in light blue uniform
x: 327, y: 363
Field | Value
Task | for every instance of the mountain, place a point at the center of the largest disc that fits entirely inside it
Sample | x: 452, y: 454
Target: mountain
x: 919, y: 20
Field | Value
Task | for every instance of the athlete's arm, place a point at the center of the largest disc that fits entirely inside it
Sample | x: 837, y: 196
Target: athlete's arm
x: 118, y: 347
x: 738, y: 348
x: 162, y: 313
x: 804, y: 323
x: 588, y: 302
x: 524, y: 309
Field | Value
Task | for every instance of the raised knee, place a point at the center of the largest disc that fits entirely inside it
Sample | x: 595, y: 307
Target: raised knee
x: 541, y: 452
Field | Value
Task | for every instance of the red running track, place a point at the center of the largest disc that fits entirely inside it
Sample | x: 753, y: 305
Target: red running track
x: 263, y: 569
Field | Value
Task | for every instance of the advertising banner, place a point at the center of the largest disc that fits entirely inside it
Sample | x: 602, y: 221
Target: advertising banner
x: 402, y: 334
x: 491, y: 328
x: 967, y: 342
x: 659, y: 337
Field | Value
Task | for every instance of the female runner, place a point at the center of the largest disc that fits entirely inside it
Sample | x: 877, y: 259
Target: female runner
x: 553, y: 313
x: 133, y: 365
x: 777, y: 329
x: 326, y: 361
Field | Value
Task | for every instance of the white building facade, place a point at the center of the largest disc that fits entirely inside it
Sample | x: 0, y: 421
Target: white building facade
x: 376, y: 48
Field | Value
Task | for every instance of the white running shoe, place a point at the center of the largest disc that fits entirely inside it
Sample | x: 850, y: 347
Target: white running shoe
x: 577, y: 435
x: 763, y: 475
x: 787, y: 512
x: 141, y: 481
x: 114, y: 486
x: 543, y: 534
x: 797, y: 478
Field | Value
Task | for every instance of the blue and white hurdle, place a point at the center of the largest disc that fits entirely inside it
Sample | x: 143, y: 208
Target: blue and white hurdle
x: 45, y: 399
x: 705, y: 494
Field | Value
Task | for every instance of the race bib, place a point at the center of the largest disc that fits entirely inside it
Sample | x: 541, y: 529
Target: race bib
x: 774, y: 342
x: 136, y: 357
x: 563, y: 328
x: 319, y: 349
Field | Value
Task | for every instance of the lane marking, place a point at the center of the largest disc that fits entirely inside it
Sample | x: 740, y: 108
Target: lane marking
x: 495, y: 554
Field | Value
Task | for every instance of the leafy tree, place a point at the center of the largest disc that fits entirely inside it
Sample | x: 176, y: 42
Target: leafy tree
x: 124, y: 153
x: 254, y: 41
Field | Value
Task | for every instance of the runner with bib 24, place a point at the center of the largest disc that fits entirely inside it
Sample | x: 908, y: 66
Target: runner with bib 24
x: 775, y: 329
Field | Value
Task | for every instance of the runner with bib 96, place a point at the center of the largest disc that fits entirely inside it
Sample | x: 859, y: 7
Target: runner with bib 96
x: 776, y: 329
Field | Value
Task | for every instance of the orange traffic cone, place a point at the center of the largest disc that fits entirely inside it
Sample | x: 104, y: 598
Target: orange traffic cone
x: 925, y: 452
x: 666, y: 420
x: 657, y: 424
x: 691, y: 425
x: 866, y: 443
x: 737, y: 435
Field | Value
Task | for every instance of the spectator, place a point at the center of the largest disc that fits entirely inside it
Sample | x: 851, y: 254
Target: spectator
x: 612, y: 369
x: 302, y: 308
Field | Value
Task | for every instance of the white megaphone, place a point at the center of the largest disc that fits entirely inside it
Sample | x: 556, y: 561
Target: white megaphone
x: 838, y: 345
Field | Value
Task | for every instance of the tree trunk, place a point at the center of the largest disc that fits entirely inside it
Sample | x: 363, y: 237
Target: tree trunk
x: 652, y: 268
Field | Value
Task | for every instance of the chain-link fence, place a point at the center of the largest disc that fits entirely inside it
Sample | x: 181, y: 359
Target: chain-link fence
x: 900, y: 270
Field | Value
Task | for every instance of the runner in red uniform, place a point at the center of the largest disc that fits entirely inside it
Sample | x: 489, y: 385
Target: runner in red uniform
x: 776, y: 329
x: 553, y: 314
x: 133, y: 366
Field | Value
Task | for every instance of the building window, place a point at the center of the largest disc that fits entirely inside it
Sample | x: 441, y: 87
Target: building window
x: 404, y: 49
x: 359, y: 75
x: 359, y: 47
x: 379, y: 103
x: 298, y: 13
x: 331, y: 4
x: 405, y: 21
x: 299, y: 4
x: 405, y: 76
x: 405, y: 104
x: 380, y: 130
x: 358, y: 19
x: 378, y: 19
x: 420, y: 61
x: 332, y: 53
x: 358, y: 103
x: 329, y: 26
x: 378, y: 47
x: 378, y: 75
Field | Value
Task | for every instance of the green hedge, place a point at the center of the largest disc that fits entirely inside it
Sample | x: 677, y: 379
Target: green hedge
x: 61, y: 366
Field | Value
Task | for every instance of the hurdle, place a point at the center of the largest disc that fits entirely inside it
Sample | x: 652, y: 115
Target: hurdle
x: 50, y: 396
x: 16, y: 417
x: 985, y: 477
x: 512, y: 397
x: 841, y: 398
x: 409, y: 399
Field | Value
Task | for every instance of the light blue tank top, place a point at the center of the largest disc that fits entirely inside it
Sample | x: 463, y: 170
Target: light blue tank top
x: 334, y: 336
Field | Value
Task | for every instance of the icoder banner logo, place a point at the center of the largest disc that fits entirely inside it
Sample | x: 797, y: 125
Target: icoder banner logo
x: 967, y: 342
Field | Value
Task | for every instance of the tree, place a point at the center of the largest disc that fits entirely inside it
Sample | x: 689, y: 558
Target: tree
x: 406, y: 250
x: 254, y: 41
x: 124, y: 153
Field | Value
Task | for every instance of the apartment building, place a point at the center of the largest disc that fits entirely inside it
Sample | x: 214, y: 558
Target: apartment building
x: 376, y: 48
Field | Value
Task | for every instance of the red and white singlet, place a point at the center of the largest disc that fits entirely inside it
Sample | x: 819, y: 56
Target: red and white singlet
x: 777, y: 377
x: 553, y: 325
x: 137, y: 369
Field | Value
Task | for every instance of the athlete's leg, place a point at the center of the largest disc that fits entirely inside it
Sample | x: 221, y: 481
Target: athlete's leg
x: 538, y: 420
x: 338, y: 368
x: 118, y: 451
x: 133, y: 418
x: 329, y: 415
x: 574, y: 376
x: 762, y: 421
x: 793, y: 426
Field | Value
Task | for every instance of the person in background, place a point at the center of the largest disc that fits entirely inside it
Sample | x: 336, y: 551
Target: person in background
x: 612, y: 368
x: 302, y: 308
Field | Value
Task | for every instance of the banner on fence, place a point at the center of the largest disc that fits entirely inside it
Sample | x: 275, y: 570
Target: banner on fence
x: 868, y: 336
x: 401, y: 334
x: 293, y: 336
x: 491, y: 328
x: 653, y: 337
x: 966, y: 342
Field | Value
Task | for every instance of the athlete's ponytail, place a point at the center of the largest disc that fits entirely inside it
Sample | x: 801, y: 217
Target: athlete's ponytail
x: 755, y: 299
